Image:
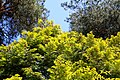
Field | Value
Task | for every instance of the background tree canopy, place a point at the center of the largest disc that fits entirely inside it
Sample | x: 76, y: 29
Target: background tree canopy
x: 18, y: 15
x: 102, y: 17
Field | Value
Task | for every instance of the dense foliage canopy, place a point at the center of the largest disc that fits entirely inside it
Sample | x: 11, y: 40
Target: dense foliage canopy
x: 49, y: 53
x: 16, y: 15
x: 102, y: 17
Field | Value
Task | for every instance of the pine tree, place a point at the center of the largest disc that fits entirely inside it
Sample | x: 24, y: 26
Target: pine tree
x: 18, y: 15
x: 102, y: 17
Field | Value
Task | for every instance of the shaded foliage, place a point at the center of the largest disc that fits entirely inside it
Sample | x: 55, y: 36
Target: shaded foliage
x: 18, y: 15
x: 102, y: 17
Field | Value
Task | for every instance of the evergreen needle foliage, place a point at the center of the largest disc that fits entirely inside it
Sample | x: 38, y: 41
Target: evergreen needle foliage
x: 18, y: 15
x: 102, y: 17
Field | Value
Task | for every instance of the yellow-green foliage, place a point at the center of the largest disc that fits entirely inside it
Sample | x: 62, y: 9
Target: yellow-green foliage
x: 50, y: 53
x: 16, y: 77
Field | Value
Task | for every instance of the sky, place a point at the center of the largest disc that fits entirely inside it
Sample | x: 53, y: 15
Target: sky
x: 57, y: 13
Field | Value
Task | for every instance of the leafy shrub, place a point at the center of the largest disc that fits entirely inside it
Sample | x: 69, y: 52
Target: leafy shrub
x: 49, y: 53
